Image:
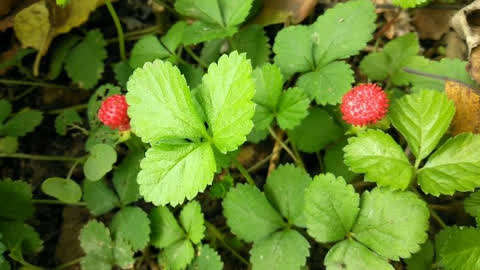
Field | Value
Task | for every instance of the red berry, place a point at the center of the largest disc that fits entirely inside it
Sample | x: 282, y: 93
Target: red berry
x: 113, y: 113
x: 364, y: 104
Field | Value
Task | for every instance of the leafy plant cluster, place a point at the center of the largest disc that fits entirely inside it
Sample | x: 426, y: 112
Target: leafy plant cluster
x: 189, y: 121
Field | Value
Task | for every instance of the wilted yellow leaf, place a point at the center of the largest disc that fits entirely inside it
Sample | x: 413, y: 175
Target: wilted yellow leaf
x: 467, y: 105
x: 32, y: 25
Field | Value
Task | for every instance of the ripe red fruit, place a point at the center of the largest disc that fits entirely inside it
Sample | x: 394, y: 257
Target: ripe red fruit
x: 113, y: 113
x: 364, y: 104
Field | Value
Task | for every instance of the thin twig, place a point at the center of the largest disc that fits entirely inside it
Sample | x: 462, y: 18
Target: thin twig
x: 440, y: 77
x: 118, y: 26
x: 259, y: 164
x: 277, y: 148
x: 219, y: 236
x: 194, y: 56
x: 244, y: 172
x: 41, y: 84
x: 39, y: 157
x: 283, y: 145
x: 55, y: 202
x: 74, y: 107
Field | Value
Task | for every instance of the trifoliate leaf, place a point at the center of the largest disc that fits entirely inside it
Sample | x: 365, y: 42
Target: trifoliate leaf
x: 391, y: 223
x: 423, y: 259
x: 282, y: 250
x: 16, y: 200
x: 200, y: 31
x: 132, y: 225
x: 5, y: 109
x: 96, y: 100
x: 408, y: 3
x: 84, y: 64
x: 65, y: 190
x: 458, y: 248
x: 207, y: 259
x: 285, y: 188
x: 123, y: 254
x: 22, y: 123
x: 422, y: 118
x: 227, y: 93
x: 328, y: 84
x: 122, y: 70
x: 455, y: 166
x: 331, y: 208
x: 351, y: 255
x: 192, y: 221
x: 165, y: 228
x: 334, y: 163
x: 293, y: 50
x: 177, y: 256
x: 292, y: 108
x: 472, y: 204
x: 65, y: 44
x: 99, y: 197
x: 65, y: 119
x: 253, y: 41
x: 20, y: 238
x: 315, y: 131
x: 381, y: 159
x: 245, y: 207
x: 222, y: 13
x: 99, y: 162
x: 185, y: 170
x: 125, y: 177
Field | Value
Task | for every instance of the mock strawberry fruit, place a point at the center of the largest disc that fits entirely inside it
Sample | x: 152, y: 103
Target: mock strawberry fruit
x: 364, y: 104
x: 113, y: 113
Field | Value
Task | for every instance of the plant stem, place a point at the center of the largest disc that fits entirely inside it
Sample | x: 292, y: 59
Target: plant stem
x: 194, y: 56
x: 70, y: 172
x: 74, y: 107
x: 285, y: 147
x: 259, y: 164
x: 40, y: 157
x: 244, y: 172
x: 442, y: 78
x: 55, y: 202
x: 219, y: 236
x: 68, y: 264
x: 118, y: 26
x: 437, y: 218
x: 41, y: 84
x: 25, y: 263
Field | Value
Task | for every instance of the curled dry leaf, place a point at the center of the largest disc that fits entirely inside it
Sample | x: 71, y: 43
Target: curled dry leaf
x: 467, y: 105
x: 279, y: 11
x: 432, y: 23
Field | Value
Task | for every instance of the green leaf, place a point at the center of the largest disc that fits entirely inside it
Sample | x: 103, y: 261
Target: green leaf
x: 5, y: 109
x: 212, y: 50
x: 208, y: 11
x: 282, y: 250
x: 122, y: 70
x: 422, y: 118
x: 409, y: 3
x: 84, y: 63
x: 102, y: 135
x: 60, y: 53
x: 458, y: 248
x: 234, y: 12
x: 99, y: 162
x: 334, y: 163
x: 207, y: 259
x: 125, y: 177
x: 96, y: 100
x: 192, y: 221
x: 193, y: 74
x: 423, y: 259
x: 293, y: 50
x: 220, y: 188
x: 147, y: 49
x: 185, y: 170
x: 351, y: 255
x: 391, y: 223
x: 65, y: 190
x: 292, y: 108
x: 268, y: 86
x: 66, y: 118
x: 177, y: 256
x: 315, y: 131
x: 381, y: 159
x: 199, y: 32
x: 8, y: 145
x: 472, y: 204
x: 165, y: 228
x: 99, y: 197
x: 123, y: 254
x: 331, y: 208
x: 245, y: 207
x: 16, y: 200
x: 285, y: 188
x: 20, y: 238
x: 22, y: 123
x: 227, y: 93
x: 132, y: 225
x: 328, y: 84
x: 253, y: 41
x: 455, y: 166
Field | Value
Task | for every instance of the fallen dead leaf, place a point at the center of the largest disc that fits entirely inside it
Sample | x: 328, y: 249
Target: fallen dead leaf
x: 279, y: 11
x: 432, y: 23
x: 455, y: 46
x: 467, y: 105
x: 473, y: 66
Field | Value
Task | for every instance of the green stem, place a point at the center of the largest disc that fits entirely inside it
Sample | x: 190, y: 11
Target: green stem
x: 194, y: 56
x: 74, y: 107
x: 118, y: 26
x: 41, y: 84
x: 70, y: 172
x: 435, y: 216
x: 260, y: 164
x: 285, y: 147
x: 24, y: 93
x: 219, y: 236
x: 55, y: 202
x: 40, y: 157
x: 244, y: 172
x: 68, y: 264
x: 25, y: 263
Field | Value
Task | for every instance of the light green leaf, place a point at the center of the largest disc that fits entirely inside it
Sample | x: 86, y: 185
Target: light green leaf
x: 205, y: 10
x: 99, y: 197
x: 245, y: 207
x: 177, y: 256
x: 423, y: 259
x: 84, y: 63
x: 60, y: 52
x: 125, y: 177
x: 192, y: 221
x: 5, y: 109
x: 159, y: 89
x: 234, y: 12
x: 96, y: 243
x: 99, y: 162
x: 132, y: 225
x: 334, y: 163
x: 422, y: 118
x: 391, y: 223
x: 65, y: 119
x: 285, y: 188
x: 207, y: 259
x: 315, y: 131
x: 165, y: 228
x: 16, y: 200
x: 22, y: 123
x: 409, y: 3
x: 455, y: 166
x: 351, y: 255
x: 458, y: 248
x: 378, y: 156
x: 328, y: 84
x: 292, y: 108
x: 283, y: 250
x: 65, y: 190
x: 268, y: 86
x: 96, y: 100
x: 227, y: 93
x: 472, y: 204
x: 123, y: 254
x: 253, y: 41
x: 185, y: 170
x: 331, y: 208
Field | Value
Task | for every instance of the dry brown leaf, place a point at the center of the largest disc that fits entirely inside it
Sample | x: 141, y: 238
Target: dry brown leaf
x: 473, y: 66
x: 432, y: 23
x: 455, y: 46
x: 467, y: 105
x: 278, y: 11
